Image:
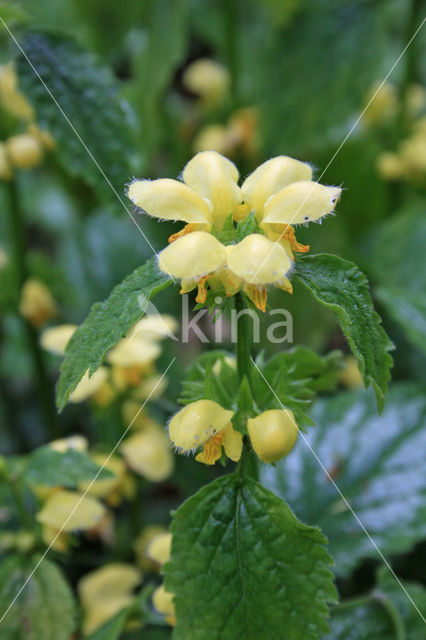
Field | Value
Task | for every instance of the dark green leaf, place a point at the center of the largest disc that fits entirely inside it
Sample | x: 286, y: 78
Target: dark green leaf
x: 246, y: 227
x: 375, y: 617
x: 378, y: 463
x: 211, y: 377
x: 226, y: 234
x: 44, y: 610
x: 88, y: 96
x: 396, y: 265
x: 253, y: 570
x: 50, y: 468
x: 106, y: 324
x: 341, y: 286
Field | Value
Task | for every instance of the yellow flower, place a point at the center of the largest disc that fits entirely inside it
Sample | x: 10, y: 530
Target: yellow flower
x: 79, y: 443
x: 37, y: 304
x: 280, y: 192
x: 11, y: 99
x: 206, y: 424
x: 381, y: 104
x: 131, y: 360
x: 351, y: 377
x: 213, y: 137
x: 105, y: 591
x: 148, y: 453
x: 160, y: 547
x: 142, y: 543
x: 24, y: 151
x: 110, y: 488
x: 163, y: 602
x: 208, y: 79
x: 68, y: 511
x: 273, y: 434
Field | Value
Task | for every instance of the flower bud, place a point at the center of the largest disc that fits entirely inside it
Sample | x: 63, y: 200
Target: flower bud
x: 37, y: 304
x: 25, y: 151
x: 273, y: 434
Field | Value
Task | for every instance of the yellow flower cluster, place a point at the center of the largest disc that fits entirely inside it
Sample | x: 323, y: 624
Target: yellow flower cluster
x: 206, y: 424
x: 159, y: 551
x: 130, y: 361
x: 280, y: 192
x: 106, y: 591
x: 25, y: 149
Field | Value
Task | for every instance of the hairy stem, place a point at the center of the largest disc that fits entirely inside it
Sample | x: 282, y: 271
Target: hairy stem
x: 42, y: 383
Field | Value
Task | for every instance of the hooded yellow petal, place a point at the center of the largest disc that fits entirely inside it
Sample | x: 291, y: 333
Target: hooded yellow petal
x: 79, y: 443
x: 233, y: 443
x: 170, y: 200
x: 270, y: 177
x: 207, y: 78
x: 159, y: 548
x: 108, y: 583
x: 89, y: 385
x: 56, y: 339
x: 193, y: 256
x: 102, y: 488
x: 133, y: 351
x: 155, y: 326
x: 258, y: 261
x: 193, y: 425
x: 148, y: 453
x: 301, y: 202
x: 70, y: 511
x: 163, y: 602
x: 214, y: 177
x: 273, y: 434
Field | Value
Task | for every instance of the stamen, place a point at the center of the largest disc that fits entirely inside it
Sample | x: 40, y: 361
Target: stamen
x: 188, y: 228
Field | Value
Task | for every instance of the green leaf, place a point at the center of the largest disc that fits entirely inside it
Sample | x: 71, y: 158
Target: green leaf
x: 211, y: 377
x: 50, y: 468
x: 107, y: 323
x: 44, y: 610
x: 378, y: 463
x: 226, y: 234
x: 374, y: 617
x: 112, y: 629
x: 243, y: 566
x: 246, y: 227
x: 341, y: 286
x: 88, y: 96
x: 396, y: 265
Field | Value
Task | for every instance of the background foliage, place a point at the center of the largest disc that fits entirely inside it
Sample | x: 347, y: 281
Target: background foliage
x: 116, y: 70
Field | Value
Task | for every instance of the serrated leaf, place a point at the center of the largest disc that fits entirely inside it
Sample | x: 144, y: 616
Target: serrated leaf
x: 225, y: 235
x: 106, y: 324
x: 246, y: 227
x: 243, y: 566
x: 341, y: 286
x: 377, y: 462
x: 50, y: 468
x: 371, y: 619
x: 44, y: 610
x: 88, y: 95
